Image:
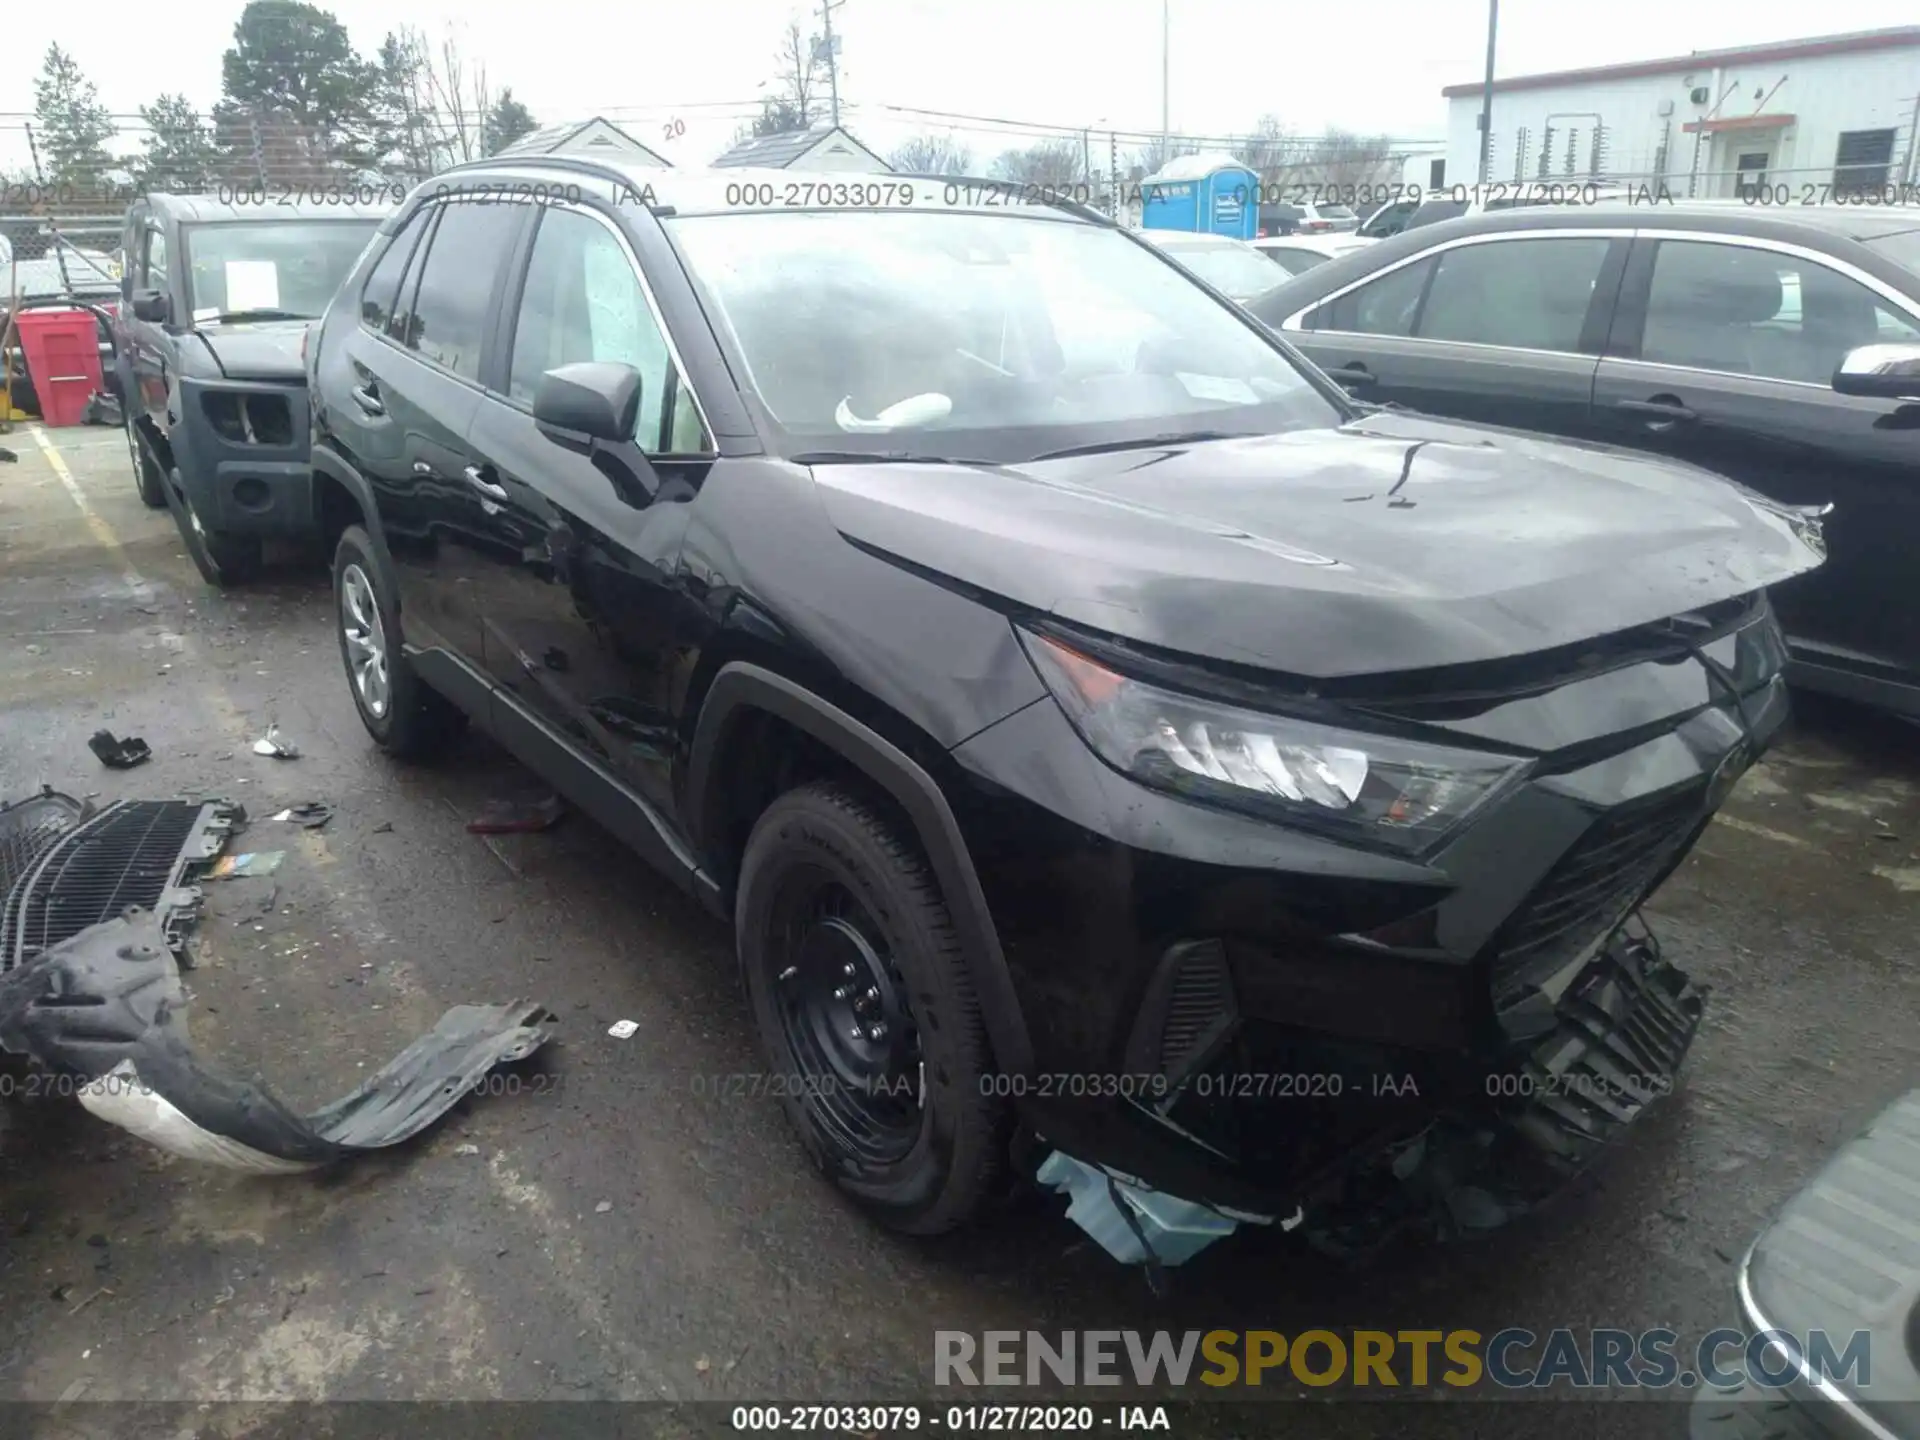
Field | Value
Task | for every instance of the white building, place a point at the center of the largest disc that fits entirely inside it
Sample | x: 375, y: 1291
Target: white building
x: 1801, y: 116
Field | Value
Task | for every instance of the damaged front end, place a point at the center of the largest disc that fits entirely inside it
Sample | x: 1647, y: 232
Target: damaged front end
x: 1355, y: 1040
x: 94, y: 909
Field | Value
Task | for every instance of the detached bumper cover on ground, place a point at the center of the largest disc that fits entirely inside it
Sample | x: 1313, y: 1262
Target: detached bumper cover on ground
x: 103, y: 1003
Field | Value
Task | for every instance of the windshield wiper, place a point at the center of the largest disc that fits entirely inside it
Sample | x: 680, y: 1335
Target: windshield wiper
x: 1102, y: 447
x: 261, y: 314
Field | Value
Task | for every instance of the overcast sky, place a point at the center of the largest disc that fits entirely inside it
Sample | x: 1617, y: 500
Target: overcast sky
x: 1375, y: 67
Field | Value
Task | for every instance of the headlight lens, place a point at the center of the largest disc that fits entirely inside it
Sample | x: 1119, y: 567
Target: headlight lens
x: 1366, y: 789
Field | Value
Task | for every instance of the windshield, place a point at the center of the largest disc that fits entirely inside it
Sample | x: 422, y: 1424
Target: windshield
x: 1902, y: 247
x: 1236, y: 273
x: 277, y: 266
x: 992, y: 336
x: 1335, y: 212
x: 1295, y: 262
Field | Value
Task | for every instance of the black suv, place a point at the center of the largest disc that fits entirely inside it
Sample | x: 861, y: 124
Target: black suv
x: 218, y: 296
x: 1103, y: 736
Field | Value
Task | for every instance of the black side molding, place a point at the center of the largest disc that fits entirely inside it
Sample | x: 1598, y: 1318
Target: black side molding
x: 742, y: 686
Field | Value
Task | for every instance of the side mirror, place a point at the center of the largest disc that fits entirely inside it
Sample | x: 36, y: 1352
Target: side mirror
x: 1881, y: 372
x: 591, y: 400
x: 152, y: 306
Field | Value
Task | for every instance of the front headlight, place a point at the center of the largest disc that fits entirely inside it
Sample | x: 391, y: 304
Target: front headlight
x: 1373, y: 790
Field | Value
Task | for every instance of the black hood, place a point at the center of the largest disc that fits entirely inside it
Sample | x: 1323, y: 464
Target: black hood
x: 267, y: 351
x: 1395, y: 542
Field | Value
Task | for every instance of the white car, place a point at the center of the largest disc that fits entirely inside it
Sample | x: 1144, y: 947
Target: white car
x: 1297, y: 253
x: 1233, y: 267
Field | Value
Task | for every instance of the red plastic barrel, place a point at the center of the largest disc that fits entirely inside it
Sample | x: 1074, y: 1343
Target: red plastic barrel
x: 62, y: 348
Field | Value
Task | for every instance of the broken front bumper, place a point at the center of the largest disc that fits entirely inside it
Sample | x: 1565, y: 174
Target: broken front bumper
x: 1387, y: 1141
x: 93, y: 909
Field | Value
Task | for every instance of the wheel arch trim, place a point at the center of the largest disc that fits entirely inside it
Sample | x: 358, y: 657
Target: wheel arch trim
x: 328, y: 464
x: 741, y: 687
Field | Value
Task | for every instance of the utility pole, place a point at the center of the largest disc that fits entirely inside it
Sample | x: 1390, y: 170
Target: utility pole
x: 1166, y: 110
x: 827, y: 7
x: 1486, y: 95
x: 1113, y: 177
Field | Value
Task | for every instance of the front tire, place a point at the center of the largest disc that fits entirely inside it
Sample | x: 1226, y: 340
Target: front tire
x: 223, y: 558
x: 404, y: 716
x: 146, y: 471
x: 866, y: 1008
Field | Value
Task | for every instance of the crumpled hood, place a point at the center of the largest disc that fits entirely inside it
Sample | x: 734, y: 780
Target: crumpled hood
x: 1395, y: 542
x: 267, y: 351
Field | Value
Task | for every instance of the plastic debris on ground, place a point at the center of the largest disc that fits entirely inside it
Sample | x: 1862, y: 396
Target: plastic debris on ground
x: 310, y: 816
x: 104, y: 1005
x: 240, y: 867
x: 622, y: 1029
x: 518, y: 815
x: 1133, y: 1223
x: 273, y: 744
x: 119, y: 754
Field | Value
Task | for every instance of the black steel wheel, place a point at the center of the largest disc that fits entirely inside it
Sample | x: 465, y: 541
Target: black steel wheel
x: 867, y: 1012
x: 224, y: 560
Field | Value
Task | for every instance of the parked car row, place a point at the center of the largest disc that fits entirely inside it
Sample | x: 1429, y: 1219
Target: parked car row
x: 1079, y: 705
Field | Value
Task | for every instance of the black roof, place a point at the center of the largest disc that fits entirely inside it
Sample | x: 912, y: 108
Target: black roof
x: 205, y: 209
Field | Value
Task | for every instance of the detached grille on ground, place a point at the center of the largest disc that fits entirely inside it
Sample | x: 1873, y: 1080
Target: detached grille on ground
x: 28, y: 827
x: 134, y: 852
x: 1607, y: 872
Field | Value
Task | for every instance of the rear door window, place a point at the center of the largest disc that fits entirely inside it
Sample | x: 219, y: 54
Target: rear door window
x: 459, y: 281
x: 1741, y: 310
x: 1530, y: 294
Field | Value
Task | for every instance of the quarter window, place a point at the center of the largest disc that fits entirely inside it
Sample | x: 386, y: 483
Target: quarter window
x: 583, y: 301
x: 458, y: 283
x: 1387, y: 306
x: 1745, y: 311
x: 379, y: 301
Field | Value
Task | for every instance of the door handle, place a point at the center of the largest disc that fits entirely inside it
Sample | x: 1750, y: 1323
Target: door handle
x: 477, y: 477
x: 1658, y: 410
x: 1353, y: 374
x: 367, y: 400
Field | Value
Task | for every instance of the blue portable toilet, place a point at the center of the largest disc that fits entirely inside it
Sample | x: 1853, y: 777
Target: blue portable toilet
x: 1210, y: 194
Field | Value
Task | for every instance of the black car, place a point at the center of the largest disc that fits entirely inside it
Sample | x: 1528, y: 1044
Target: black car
x: 217, y: 296
x: 1714, y: 333
x: 1103, y: 737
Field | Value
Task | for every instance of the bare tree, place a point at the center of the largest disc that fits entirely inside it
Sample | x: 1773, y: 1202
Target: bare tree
x: 1049, y: 162
x: 1269, y: 150
x: 798, y: 73
x: 1150, y: 157
x: 458, y: 96
x: 932, y: 155
x: 1341, y: 160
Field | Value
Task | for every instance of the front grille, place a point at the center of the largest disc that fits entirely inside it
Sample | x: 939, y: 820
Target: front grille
x: 133, y: 853
x: 1608, y: 871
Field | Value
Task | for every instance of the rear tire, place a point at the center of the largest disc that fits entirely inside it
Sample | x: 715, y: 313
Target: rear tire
x: 146, y: 471
x: 854, y: 969
x: 224, y: 559
x: 405, y: 717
